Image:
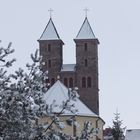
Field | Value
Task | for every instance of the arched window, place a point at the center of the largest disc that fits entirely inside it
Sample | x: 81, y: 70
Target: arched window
x: 89, y: 82
x: 71, y: 82
x: 52, y: 81
x: 66, y: 82
x: 49, y: 47
x: 49, y: 64
x: 86, y: 63
x: 47, y: 81
x: 85, y: 45
x: 83, y: 82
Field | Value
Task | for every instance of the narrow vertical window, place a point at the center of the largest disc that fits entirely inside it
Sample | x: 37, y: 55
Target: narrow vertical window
x: 52, y: 81
x: 66, y: 82
x: 86, y: 63
x: 71, y: 82
x: 89, y: 82
x: 49, y: 64
x: 97, y: 104
x: 85, y: 45
x: 49, y: 47
x: 83, y: 82
x: 45, y: 63
x: 47, y: 81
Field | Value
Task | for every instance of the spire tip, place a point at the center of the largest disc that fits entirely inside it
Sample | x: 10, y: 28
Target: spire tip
x: 50, y: 10
x: 86, y: 10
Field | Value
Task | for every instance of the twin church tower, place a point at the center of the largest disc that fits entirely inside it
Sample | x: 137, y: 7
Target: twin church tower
x: 83, y: 74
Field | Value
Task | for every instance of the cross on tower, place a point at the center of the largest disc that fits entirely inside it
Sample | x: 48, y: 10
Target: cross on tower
x: 86, y: 10
x: 50, y: 10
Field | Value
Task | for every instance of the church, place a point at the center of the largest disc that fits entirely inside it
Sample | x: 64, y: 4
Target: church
x: 83, y: 74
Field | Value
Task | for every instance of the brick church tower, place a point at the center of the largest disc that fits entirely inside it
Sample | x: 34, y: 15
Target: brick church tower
x: 51, y: 50
x: 83, y: 74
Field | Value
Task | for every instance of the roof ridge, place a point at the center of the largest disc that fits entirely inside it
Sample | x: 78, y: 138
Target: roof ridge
x: 61, y: 84
x: 59, y: 92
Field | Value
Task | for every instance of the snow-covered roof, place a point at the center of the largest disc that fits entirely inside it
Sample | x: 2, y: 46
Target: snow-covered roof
x: 59, y: 93
x: 50, y: 32
x: 132, y: 134
x: 86, y: 31
x: 68, y: 67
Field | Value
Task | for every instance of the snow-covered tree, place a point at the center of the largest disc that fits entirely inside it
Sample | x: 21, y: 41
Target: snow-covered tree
x: 117, y: 129
x: 22, y: 103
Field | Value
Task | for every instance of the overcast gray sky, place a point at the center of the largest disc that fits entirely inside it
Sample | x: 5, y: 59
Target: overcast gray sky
x: 116, y: 23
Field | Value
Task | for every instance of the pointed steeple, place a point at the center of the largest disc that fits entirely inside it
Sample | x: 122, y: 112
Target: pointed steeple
x: 85, y: 31
x: 50, y: 32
